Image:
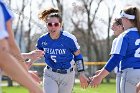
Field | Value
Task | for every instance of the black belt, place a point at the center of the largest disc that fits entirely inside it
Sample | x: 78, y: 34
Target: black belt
x: 136, y: 67
x: 130, y: 68
x: 61, y: 71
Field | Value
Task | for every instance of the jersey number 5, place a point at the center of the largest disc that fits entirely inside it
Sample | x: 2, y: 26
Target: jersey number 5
x: 53, y: 58
x: 137, y: 52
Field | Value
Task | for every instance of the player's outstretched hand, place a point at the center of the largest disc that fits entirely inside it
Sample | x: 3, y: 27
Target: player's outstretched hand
x: 95, y: 81
x: 36, y: 54
x: 138, y: 88
x: 33, y: 56
x: 97, y: 72
x: 84, y: 81
x: 29, y: 64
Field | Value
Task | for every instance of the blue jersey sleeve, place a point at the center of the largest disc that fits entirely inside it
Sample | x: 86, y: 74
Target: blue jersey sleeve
x: 7, y: 13
x: 74, y: 45
x: 121, y: 45
x: 72, y: 41
x: 113, y: 62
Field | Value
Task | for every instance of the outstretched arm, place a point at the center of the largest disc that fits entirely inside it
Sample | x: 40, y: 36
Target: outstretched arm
x: 111, y: 64
x: 80, y: 68
x: 33, y: 55
x: 97, y: 79
x: 13, y: 69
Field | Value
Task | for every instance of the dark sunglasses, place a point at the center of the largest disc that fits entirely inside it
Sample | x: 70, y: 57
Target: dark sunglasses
x: 53, y: 24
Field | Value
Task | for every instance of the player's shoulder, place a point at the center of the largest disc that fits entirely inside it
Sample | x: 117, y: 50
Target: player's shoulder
x: 44, y: 36
x: 1, y: 1
x: 124, y: 34
x: 8, y: 12
x: 68, y: 35
x: 131, y: 32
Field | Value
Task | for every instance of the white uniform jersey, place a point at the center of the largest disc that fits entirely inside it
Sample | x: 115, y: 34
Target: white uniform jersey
x: 117, y: 68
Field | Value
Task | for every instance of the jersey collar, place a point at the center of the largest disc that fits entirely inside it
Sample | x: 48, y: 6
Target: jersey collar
x: 132, y: 29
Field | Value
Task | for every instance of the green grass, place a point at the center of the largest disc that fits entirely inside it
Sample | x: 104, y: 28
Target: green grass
x: 103, y: 88
x: 15, y: 89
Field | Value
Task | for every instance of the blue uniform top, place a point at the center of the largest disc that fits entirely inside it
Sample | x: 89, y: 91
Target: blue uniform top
x: 126, y: 50
x: 5, y: 15
x: 59, y: 52
x: 128, y: 45
x: 117, y: 68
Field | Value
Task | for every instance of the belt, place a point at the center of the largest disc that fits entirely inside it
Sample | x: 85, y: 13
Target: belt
x: 131, y: 68
x: 61, y: 71
x: 127, y: 69
x: 136, y: 67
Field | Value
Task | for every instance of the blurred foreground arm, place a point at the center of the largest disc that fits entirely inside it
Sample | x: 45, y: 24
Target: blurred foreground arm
x: 13, y: 69
x: 14, y: 50
x: 138, y: 88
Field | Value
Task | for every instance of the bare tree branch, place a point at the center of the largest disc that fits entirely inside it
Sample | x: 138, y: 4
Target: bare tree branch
x: 19, y: 15
x: 110, y: 14
x: 40, y: 5
x: 96, y: 11
x: 22, y: 25
x: 28, y: 48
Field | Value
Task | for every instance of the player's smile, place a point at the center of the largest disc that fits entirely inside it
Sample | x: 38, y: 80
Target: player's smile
x: 52, y: 31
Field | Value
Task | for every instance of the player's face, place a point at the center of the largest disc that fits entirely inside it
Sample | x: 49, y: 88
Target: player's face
x: 118, y: 29
x: 125, y: 23
x: 53, y: 25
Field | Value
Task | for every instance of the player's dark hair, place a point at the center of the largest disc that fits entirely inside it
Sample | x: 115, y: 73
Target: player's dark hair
x: 51, y: 12
x: 133, y: 10
x: 118, y: 21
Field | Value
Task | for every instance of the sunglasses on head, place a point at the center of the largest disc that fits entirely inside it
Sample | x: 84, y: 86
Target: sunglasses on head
x: 53, y: 24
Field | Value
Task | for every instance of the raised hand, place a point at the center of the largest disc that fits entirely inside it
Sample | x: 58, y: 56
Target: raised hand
x: 36, y: 54
x: 84, y: 81
x: 95, y: 81
x: 97, y: 72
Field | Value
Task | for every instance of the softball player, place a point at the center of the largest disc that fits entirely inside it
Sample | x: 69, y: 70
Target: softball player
x: 117, y: 27
x: 127, y: 51
x: 8, y: 63
x: 60, y: 47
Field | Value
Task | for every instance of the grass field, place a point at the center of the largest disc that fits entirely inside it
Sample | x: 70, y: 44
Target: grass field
x: 103, y: 88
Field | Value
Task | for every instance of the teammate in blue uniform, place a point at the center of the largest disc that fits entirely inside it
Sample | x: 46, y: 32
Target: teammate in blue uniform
x: 8, y: 63
x: 127, y: 50
x: 60, y: 49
